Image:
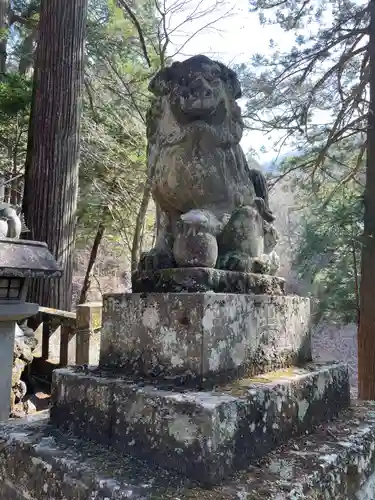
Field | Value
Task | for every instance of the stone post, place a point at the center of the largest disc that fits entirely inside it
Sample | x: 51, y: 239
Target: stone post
x: 20, y: 261
x: 88, y: 325
x: 9, y: 315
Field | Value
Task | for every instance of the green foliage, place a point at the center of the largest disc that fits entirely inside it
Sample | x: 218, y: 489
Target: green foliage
x: 15, y: 100
x: 113, y: 156
x: 113, y: 148
x: 329, y: 244
x: 15, y: 95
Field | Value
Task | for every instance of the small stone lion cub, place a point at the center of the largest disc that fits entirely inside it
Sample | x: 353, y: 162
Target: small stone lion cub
x: 212, y: 209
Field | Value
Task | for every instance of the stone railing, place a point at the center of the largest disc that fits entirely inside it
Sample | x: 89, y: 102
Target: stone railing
x: 66, y: 338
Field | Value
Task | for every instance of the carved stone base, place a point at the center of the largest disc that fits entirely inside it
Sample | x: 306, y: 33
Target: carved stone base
x: 201, y: 337
x: 201, y: 279
x: 204, y: 435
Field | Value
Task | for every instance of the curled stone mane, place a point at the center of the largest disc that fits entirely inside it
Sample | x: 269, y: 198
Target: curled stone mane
x: 223, y: 134
x: 164, y: 80
x: 223, y: 127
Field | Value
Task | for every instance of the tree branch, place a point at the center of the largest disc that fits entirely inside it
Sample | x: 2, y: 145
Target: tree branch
x: 137, y: 25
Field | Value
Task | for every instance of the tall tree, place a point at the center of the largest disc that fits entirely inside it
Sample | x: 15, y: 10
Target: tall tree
x: 366, y: 331
x: 51, y: 176
x: 4, y: 22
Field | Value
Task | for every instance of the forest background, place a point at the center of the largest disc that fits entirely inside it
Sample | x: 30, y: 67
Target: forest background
x: 305, y: 104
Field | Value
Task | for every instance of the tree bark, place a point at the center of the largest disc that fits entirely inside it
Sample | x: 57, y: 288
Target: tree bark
x: 4, y: 25
x: 139, y: 223
x: 90, y: 267
x: 366, y: 330
x: 51, y: 173
x: 355, y: 274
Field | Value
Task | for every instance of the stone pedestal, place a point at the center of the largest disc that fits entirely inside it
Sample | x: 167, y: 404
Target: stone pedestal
x: 336, y: 462
x: 204, y: 279
x: 188, y: 380
x: 203, y: 337
x: 205, y: 435
x: 9, y: 315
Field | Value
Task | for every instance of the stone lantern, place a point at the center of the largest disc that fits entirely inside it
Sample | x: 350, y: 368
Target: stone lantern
x: 20, y: 260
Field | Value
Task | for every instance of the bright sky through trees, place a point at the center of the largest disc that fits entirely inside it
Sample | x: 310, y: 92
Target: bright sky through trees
x: 234, y: 36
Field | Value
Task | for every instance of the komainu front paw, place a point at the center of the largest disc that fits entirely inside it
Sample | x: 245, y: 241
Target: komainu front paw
x: 261, y: 266
x: 155, y: 259
x: 241, y: 262
x: 235, y: 261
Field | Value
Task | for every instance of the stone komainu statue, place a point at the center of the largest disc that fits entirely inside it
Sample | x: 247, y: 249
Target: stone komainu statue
x: 11, y: 223
x: 212, y: 209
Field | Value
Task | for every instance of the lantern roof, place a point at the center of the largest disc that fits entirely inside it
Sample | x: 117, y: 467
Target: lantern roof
x: 27, y: 259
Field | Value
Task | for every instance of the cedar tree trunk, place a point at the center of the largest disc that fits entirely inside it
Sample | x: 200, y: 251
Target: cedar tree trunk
x: 4, y: 25
x: 51, y: 177
x: 366, y: 331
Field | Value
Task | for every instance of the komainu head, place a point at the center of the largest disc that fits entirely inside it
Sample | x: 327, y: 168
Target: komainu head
x: 200, y: 90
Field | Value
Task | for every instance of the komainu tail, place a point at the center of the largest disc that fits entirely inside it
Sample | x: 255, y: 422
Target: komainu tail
x: 261, y: 192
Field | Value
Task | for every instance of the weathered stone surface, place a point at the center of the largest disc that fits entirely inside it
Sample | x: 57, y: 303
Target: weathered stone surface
x: 87, y: 332
x: 87, y: 408
x: 27, y: 259
x: 195, y: 243
x: 367, y: 492
x: 201, y: 279
x: 37, y: 462
x: 11, y: 224
x: 198, y: 336
x: 24, y: 345
x: 11, y: 311
x: 212, y: 209
x: 205, y: 435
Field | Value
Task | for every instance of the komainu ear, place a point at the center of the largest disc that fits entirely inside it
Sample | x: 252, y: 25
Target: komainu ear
x: 230, y: 78
x: 159, y: 85
x: 164, y: 79
x: 235, y: 84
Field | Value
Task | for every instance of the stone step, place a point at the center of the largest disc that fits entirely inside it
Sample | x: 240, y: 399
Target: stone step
x: 335, y: 463
x: 205, y: 435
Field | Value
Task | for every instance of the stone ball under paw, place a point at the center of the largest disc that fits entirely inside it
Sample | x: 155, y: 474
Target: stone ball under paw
x: 195, y: 249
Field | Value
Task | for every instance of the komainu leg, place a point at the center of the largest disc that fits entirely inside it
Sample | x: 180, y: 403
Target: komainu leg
x: 241, y: 242
x: 161, y: 256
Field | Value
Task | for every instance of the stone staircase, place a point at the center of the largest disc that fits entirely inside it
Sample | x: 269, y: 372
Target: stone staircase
x: 197, y: 396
